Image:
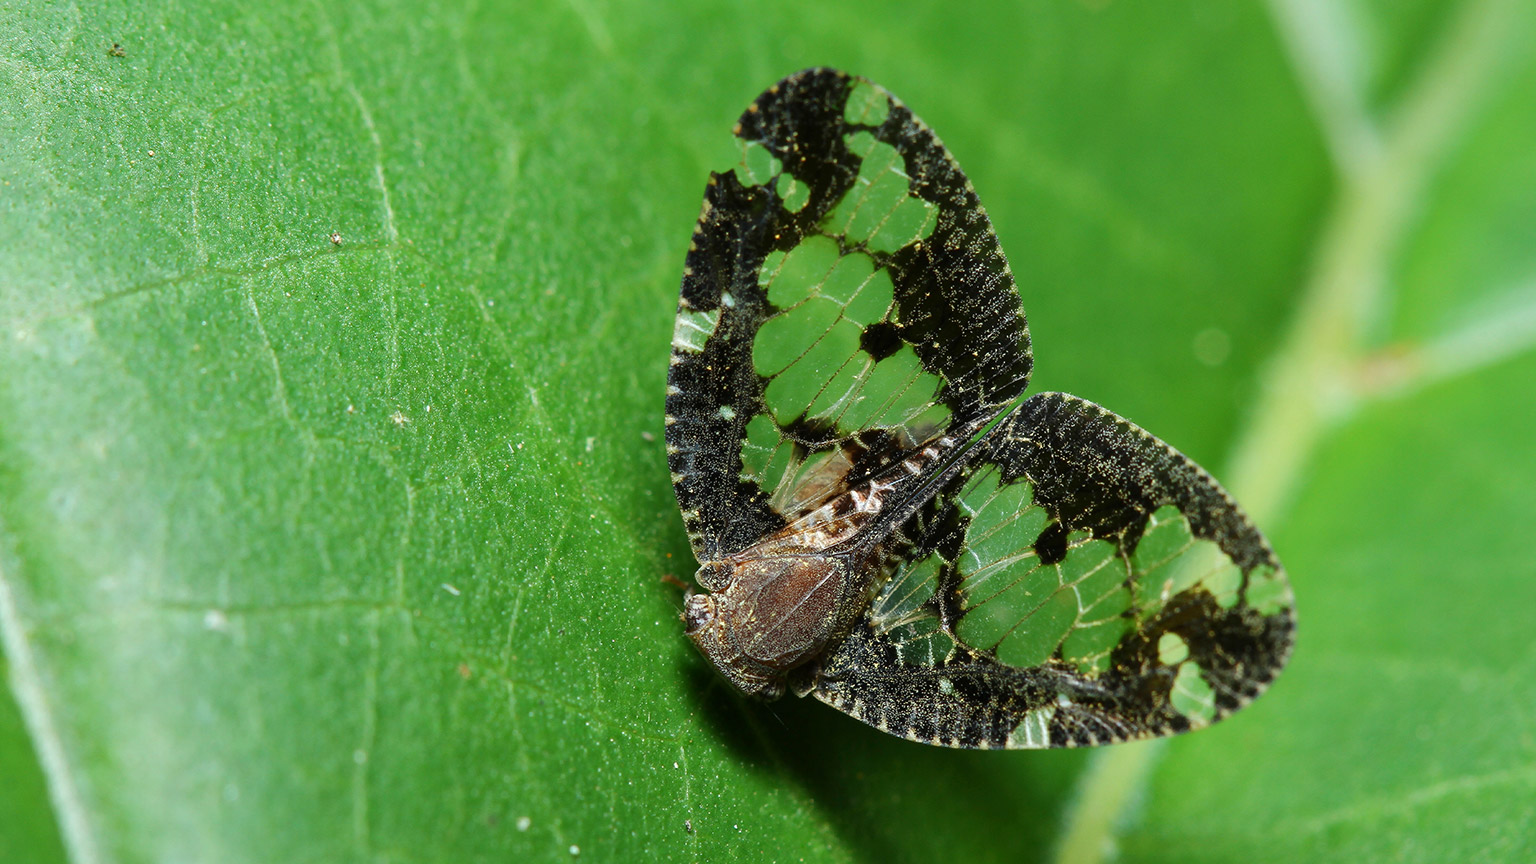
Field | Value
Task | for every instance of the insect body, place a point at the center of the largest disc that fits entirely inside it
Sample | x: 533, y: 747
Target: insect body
x: 882, y: 520
x: 783, y: 599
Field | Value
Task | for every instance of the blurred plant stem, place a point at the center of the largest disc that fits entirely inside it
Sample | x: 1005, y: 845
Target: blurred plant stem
x: 1309, y: 385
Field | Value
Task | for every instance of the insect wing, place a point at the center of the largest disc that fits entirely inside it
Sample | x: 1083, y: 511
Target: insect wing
x: 1081, y: 583
x: 844, y: 300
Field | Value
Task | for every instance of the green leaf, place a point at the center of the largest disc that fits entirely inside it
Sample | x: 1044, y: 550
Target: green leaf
x: 324, y: 552
x: 27, y: 832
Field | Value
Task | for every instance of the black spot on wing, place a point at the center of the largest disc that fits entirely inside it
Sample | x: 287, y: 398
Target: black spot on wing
x: 880, y: 340
x: 1051, y: 545
x: 811, y: 434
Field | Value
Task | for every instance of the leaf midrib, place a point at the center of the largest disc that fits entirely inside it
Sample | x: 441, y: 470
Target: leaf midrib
x: 1305, y: 390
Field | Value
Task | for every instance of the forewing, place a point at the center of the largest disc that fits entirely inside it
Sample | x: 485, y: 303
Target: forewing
x: 843, y: 293
x: 1081, y: 583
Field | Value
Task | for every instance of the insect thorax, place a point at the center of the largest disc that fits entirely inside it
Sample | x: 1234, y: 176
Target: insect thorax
x: 784, y: 600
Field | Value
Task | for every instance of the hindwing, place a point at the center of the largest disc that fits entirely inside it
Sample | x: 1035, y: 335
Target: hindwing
x: 1080, y: 582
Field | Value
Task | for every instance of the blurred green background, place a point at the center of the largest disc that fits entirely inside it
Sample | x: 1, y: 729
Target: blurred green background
x: 320, y: 552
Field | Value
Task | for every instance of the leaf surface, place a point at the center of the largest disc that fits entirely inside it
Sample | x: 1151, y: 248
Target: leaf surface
x: 343, y: 552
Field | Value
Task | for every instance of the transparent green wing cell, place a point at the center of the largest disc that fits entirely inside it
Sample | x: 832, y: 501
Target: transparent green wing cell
x: 844, y: 299
x: 1079, y: 583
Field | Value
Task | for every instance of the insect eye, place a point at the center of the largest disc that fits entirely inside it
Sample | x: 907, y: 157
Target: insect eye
x: 713, y: 576
x: 697, y: 610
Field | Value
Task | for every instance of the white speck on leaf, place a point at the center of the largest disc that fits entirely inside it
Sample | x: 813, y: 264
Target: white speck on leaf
x: 524, y: 823
x: 450, y: 589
